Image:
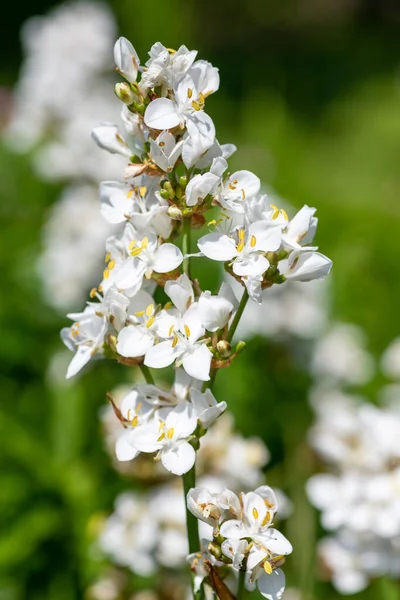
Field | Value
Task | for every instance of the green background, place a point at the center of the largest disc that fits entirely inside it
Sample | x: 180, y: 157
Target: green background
x: 310, y: 94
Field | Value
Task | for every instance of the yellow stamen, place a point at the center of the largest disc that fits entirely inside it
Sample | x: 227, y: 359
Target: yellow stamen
x: 107, y: 258
x: 111, y: 265
x: 235, y: 181
x: 149, y: 310
x: 187, y: 330
x: 201, y: 99
x: 130, y: 193
x: 132, y: 244
x: 100, y: 288
x: 213, y: 222
x: 266, y: 520
x: 243, y: 194
x: 190, y: 92
x: 161, y: 437
x: 276, y: 212
x: 161, y: 425
x: 150, y: 322
x: 136, y: 252
x: 161, y: 144
x: 170, y: 433
x: 106, y: 273
x: 240, y: 246
x: 135, y: 421
x: 196, y: 105
x: 241, y: 234
x: 170, y: 330
x: 255, y: 513
x: 142, y: 190
x: 140, y: 313
x: 231, y: 187
x: 267, y: 567
x: 175, y: 340
x: 168, y: 305
x: 284, y: 214
x: 145, y: 242
x: 253, y: 241
x: 93, y: 292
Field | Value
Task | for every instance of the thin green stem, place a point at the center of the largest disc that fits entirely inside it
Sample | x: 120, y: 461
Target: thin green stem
x: 189, y: 481
x: 147, y: 375
x: 238, y: 316
x: 187, y: 230
x: 241, y: 581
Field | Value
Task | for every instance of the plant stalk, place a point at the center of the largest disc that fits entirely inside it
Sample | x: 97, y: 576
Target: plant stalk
x: 147, y: 375
x: 187, y: 230
x: 238, y: 316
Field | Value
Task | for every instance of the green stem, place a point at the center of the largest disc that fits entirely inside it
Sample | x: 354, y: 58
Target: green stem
x: 229, y: 336
x: 238, y: 316
x: 189, y: 481
x: 241, y: 581
x: 147, y: 375
x: 187, y: 230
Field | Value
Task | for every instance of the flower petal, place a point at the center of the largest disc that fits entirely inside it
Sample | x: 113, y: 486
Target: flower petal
x: 167, y: 258
x: 161, y: 114
x: 123, y: 448
x: 180, y: 459
x: 272, y: 586
x: 217, y: 246
x: 197, y: 364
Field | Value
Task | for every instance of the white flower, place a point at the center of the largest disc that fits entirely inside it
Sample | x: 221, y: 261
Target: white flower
x: 147, y: 254
x: 205, y: 406
x: 185, y: 348
x: 126, y: 59
x: 240, y: 187
x: 137, y: 411
x: 204, y: 505
x: 165, y: 151
x: 130, y: 534
x: 258, y: 511
x: 201, y: 186
x: 108, y: 137
x: 300, y: 230
x: 145, y: 323
x: 138, y: 202
x: 169, y: 438
x: 166, y: 68
x: 215, y: 311
x: 305, y: 266
x: 86, y: 336
x: 246, y: 251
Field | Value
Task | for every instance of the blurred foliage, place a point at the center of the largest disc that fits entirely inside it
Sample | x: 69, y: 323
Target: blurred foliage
x: 310, y: 94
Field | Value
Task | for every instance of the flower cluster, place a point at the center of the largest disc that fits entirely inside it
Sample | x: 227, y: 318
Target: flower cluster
x: 243, y: 539
x: 359, y: 497
x: 166, y: 423
x: 177, y: 171
x: 149, y: 311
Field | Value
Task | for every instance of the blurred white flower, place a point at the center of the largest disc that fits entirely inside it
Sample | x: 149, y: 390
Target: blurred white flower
x: 340, y: 355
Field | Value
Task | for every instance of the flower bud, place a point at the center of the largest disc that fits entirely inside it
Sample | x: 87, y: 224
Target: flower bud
x: 224, y: 348
x: 179, y: 193
x: 175, y: 213
x: 183, y: 181
x: 168, y: 187
x: 124, y: 93
x: 240, y: 346
x: 164, y: 194
x: 215, y: 550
